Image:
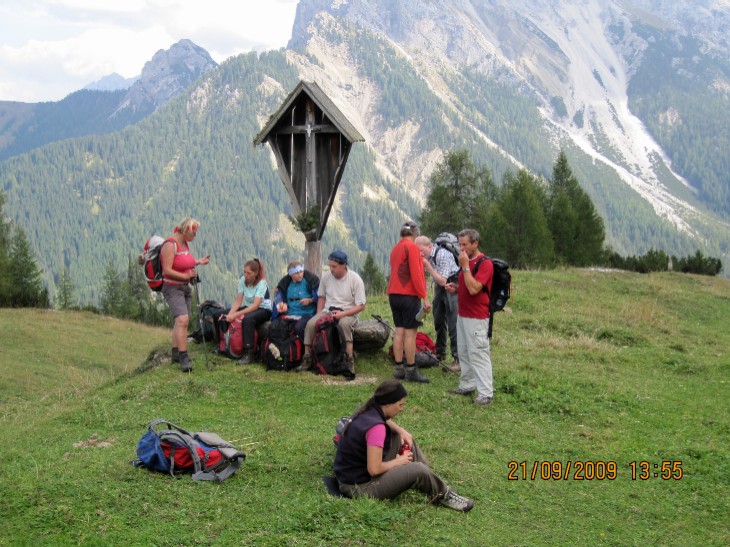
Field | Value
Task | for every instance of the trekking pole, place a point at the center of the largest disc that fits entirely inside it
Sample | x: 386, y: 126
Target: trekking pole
x: 491, y: 318
x: 195, y: 283
x: 443, y: 365
x: 382, y: 322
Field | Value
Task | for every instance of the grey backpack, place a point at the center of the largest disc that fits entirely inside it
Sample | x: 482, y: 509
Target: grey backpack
x: 171, y: 449
x: 448, y: 241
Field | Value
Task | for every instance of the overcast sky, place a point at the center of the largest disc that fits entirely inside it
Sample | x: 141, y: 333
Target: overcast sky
x: 50, y: 48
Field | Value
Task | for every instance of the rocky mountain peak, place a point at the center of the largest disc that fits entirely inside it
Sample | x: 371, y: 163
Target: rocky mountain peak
x: 165, y: 75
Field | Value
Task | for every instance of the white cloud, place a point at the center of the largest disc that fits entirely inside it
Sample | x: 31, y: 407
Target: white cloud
x: 49, y: 48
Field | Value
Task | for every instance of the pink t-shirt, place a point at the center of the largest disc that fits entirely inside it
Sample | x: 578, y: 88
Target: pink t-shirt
x: 376, y: 436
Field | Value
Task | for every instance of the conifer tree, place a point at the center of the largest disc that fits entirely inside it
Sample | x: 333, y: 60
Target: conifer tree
x: 65, y: 297
x: 5, y: 283
x: 372, y: 277
x: 459, y: 196
x: 112, y: 297
x: 528, y: 240
x: 578, y: 231
x: 27, y: 289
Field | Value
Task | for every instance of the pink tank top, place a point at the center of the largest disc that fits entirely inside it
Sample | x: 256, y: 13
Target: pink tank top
x: 183, y: 262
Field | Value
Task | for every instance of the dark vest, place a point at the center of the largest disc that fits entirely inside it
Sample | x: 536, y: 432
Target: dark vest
x: 351, y: 461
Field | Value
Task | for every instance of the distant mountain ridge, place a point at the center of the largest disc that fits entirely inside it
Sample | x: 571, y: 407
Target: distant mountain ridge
x: 94, y: 111
x: 111, y: 82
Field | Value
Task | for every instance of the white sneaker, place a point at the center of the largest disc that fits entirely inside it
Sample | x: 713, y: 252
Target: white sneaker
x: 454, y: 501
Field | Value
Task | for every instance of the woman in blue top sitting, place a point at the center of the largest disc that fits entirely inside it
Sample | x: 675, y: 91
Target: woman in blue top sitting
x: 252, y: 305
x: 296, y: 296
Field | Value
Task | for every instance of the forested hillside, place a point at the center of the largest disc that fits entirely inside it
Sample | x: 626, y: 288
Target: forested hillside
x: 682, y: 100
x: 93, y: 201
x: 28, y: 126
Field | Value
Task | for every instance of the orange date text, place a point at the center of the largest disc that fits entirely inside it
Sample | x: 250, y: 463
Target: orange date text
x: 562, y: 471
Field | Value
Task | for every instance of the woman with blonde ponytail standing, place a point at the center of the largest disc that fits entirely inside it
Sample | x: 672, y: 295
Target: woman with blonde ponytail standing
x: 178, y: 270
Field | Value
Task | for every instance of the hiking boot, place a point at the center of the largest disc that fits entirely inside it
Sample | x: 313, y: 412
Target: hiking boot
x: 454, y: 501
x: 175, y: 356
x: 349, y: 360
x: 247, y: 359
x: 185, y: 364
x: 462, y: 391
x: 483, y: 400
x: 455, y: 365
x: 306, y: 363
x: 399, y: 371
x: 412, y: 375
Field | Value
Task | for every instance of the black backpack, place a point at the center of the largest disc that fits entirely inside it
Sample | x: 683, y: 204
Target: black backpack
x: 499, y: 292
x: 210, y: 313
x: 283, y: 349
x: 328, y: 348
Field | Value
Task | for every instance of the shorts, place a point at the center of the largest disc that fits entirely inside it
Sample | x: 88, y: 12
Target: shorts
x: 178, y: 298
x: 405, y: 308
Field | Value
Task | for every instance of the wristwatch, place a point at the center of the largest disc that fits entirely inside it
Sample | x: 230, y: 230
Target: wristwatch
x: 465, y: 268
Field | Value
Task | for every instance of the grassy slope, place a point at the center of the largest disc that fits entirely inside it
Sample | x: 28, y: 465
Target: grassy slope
x: 590, y: 366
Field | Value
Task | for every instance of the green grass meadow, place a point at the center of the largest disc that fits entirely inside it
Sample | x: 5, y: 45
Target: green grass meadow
x: 595, y: 368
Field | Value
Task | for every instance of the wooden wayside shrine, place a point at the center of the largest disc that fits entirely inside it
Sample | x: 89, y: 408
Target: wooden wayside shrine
x: 311, y: 140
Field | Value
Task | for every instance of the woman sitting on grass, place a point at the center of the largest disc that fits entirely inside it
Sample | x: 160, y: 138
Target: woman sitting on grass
x: 377, y: 458
x: 252, y: 306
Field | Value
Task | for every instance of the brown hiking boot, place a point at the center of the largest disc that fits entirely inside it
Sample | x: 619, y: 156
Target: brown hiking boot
x: 454, y: 367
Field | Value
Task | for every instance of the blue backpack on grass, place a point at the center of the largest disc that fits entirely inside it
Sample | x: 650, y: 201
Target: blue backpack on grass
x: 168, y: 448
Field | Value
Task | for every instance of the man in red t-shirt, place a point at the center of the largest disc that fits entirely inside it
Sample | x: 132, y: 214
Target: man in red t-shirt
x: 472, y: 324
x: 406, y: 289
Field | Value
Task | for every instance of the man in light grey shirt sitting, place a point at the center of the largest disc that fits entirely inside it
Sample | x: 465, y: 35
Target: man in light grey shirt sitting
x: 342, y: 294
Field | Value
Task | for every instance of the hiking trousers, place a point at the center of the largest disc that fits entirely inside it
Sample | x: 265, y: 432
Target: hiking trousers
x: 474, y: 357
x: 250, y: 323
x: 391, y: 484
x: 445, y: 312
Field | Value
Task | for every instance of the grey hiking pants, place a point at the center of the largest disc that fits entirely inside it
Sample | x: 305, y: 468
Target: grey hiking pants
x: 445, y: 312
x: 391, y: 484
